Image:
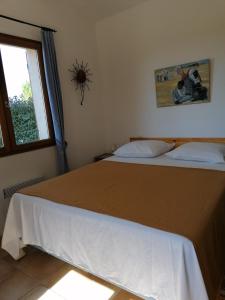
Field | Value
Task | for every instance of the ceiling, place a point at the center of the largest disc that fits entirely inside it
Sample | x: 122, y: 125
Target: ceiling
x: 99, y: 9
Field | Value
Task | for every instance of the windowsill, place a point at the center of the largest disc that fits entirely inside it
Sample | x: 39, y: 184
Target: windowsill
x: 28, y: 148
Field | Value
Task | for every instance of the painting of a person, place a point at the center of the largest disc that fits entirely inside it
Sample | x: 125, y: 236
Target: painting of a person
x: 183, y: 84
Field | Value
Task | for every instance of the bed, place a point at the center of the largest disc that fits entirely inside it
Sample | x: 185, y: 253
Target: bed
x: 172, y: 250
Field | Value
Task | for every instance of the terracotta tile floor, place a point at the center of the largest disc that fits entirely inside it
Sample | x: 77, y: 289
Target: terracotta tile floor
x: 39, y: 276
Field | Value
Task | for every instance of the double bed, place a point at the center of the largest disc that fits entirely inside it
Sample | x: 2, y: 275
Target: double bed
x: 153, y: 226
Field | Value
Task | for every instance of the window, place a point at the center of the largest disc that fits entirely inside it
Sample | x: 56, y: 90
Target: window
x: 25, y: 119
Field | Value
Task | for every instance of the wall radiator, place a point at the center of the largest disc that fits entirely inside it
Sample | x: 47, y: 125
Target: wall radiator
x: 9, y: 191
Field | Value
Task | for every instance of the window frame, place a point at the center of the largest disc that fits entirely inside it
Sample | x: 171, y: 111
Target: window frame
x: 10, y: 146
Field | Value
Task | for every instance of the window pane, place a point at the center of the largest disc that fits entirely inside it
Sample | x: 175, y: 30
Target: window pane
x: 1, y: 139
x: 23, y: 82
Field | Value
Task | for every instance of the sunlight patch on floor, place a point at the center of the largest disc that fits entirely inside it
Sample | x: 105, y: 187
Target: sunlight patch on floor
x: 48, y: 295
x: 80, y: 287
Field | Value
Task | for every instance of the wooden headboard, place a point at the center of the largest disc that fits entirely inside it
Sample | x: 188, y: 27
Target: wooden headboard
x: 180, y: 141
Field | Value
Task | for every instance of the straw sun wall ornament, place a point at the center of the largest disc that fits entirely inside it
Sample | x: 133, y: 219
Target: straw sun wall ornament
x: 81, y: 76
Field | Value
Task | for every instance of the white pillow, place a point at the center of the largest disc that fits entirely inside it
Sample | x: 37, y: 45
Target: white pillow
x: 196, y: 151
x: 150, y: 148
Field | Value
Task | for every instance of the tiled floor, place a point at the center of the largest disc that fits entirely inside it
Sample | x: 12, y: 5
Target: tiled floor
x: 39, y: 276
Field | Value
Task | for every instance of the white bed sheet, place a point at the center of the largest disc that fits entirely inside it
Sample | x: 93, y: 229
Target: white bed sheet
x: 154, y: 264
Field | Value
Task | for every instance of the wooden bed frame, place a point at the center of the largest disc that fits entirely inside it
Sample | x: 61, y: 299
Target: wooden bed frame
x: 180, y: 141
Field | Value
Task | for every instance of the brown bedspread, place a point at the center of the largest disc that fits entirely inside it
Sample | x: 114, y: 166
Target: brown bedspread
x: 189, y: 202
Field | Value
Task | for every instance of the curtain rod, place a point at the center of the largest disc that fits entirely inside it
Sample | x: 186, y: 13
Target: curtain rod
x: 27, y: 23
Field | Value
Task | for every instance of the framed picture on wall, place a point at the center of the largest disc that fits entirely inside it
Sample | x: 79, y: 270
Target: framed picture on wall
x: 183, y: 84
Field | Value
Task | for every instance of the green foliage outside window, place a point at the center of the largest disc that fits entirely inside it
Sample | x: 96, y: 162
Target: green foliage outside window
x: 24, y: 120
x: 1, y: 140
x: 23, y: 117
x: 26, y: 91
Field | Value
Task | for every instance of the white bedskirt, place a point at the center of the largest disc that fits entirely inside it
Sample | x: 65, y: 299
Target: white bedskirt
x: 151, y: 263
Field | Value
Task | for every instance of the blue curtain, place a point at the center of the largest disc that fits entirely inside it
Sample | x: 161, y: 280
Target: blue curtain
x: 55, y: 97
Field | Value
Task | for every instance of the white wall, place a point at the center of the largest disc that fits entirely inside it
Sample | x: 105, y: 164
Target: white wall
x: 83, y: 125
x: 153, y: 35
